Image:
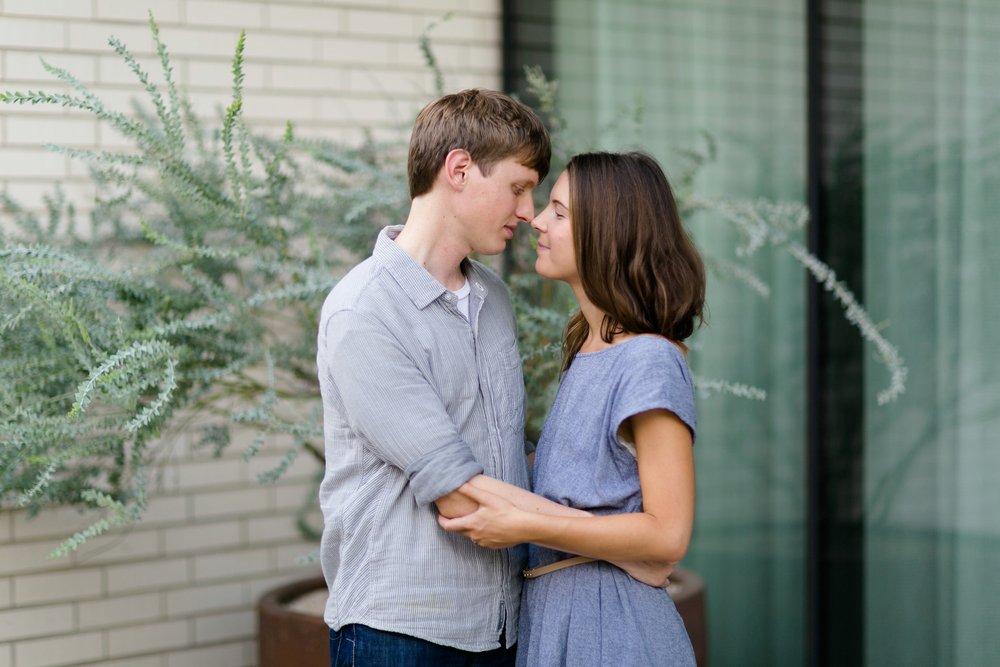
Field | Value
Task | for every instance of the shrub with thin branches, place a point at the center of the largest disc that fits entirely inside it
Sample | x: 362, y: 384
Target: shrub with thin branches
x: 197, y: 286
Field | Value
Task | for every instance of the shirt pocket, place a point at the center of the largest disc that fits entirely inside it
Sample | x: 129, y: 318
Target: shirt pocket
x: 508, y: 389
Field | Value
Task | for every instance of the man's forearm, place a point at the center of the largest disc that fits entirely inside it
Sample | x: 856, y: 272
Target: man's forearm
x: 455, y: 504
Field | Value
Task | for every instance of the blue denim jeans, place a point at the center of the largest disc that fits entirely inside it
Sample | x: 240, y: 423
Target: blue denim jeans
x: 361, y: 646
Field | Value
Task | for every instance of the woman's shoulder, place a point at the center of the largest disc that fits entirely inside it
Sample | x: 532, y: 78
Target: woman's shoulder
x: 655, y: 357
x: 652, y: 346
x: 654, y: 374
x: 638, y: 355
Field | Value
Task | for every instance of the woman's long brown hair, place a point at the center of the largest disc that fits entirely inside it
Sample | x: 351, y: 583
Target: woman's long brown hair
x: 635, y: 259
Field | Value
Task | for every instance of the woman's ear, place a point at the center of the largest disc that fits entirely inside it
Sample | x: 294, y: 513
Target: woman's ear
x: 457, y: 165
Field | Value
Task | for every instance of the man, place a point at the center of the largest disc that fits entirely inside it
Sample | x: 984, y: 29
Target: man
x: 422, y: 391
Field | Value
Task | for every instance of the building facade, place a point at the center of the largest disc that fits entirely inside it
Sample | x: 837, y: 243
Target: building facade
x: 832, y: 529
x: 178, y: 589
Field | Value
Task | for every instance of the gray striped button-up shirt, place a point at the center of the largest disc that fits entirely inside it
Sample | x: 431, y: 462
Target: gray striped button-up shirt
x: 416, y: 401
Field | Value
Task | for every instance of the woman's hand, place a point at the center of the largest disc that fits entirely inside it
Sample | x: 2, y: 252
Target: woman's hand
x: 500, y: 521
x: 651, y: 573
x: 496, y: 524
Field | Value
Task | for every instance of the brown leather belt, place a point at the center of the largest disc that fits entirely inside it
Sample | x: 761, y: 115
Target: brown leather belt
x: 535, y: 572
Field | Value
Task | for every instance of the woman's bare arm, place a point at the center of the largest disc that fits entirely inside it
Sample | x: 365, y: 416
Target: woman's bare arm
x: 647, y: 543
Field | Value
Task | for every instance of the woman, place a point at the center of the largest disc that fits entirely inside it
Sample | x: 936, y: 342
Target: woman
x: 617, y: 444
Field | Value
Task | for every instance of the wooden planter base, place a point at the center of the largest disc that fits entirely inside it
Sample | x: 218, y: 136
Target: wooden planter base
x: 287, y: 637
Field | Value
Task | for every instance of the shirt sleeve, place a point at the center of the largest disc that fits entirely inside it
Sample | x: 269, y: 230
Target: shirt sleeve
x: 394, y: 406
x: 654, y: 376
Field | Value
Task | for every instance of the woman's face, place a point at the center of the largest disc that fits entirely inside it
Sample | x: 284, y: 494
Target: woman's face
x: 556, y: 254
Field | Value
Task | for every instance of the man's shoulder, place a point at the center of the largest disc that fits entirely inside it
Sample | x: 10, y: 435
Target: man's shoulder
x: 357, y: 287
x: 494, y: 284
x: 356, y: 294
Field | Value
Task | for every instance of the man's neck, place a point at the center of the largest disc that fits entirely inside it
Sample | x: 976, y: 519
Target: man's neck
x: 427, y: 239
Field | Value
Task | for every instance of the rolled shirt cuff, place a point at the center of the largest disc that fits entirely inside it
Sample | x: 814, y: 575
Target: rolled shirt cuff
x: 441, y: 472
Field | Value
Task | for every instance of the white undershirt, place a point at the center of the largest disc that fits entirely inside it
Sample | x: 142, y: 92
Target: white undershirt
x: 462, y: 299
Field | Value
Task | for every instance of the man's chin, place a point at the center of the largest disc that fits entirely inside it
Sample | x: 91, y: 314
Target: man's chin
x: 493, y: 250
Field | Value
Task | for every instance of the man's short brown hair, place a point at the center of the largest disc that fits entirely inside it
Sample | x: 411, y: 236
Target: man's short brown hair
x: 488, y: 124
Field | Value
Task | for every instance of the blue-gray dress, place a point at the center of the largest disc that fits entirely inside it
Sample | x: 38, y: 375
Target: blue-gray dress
x: 595, y: 614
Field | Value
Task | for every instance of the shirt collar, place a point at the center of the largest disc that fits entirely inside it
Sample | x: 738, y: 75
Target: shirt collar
x: 419, y: 285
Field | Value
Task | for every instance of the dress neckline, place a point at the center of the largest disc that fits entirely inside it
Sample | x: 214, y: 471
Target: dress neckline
x: 626, y: 342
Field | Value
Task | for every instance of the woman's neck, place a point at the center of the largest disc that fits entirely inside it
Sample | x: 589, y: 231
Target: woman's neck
x: 595, y: 320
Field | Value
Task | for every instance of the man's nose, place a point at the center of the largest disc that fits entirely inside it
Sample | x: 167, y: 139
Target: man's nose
x: 526, y: 210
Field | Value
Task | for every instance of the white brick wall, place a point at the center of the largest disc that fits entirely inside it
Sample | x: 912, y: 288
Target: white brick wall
x: 329, y: 66
x: 178, y: 589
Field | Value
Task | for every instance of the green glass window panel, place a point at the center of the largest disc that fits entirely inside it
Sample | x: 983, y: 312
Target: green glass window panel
x: 932, y: 250
x: 735, y: 70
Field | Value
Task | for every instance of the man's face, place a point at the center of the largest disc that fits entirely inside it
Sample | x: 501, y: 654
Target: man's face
x: 497, y: 203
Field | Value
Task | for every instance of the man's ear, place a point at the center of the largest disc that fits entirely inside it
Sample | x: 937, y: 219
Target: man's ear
x: 457, y: 166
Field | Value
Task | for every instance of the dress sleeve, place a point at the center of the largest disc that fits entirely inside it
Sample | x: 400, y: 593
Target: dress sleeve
x: 394, y: 406
x: 654, y: 376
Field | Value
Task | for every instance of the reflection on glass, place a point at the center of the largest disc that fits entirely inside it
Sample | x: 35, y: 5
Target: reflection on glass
x: 655, y: 76
x: 932, y: 248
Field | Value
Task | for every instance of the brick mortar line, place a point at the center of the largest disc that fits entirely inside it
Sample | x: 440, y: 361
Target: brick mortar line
x: 86, y: 564
x: 167, y: 25
x: 248, y: 97
x: 189, y: 645
x: 159, y: 527
x: 249, y: 58
x: 164, y: 653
